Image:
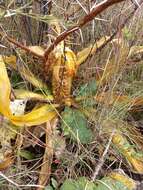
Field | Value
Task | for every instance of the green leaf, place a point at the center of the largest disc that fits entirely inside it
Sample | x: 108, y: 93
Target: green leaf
x: 116, y: 181
x: 26, y: 154
x: 81, y: 184
x: 109, y: 184
x: 74, y: 124
x: 87, y: 91
x: 69, y: 184
x: 54, y: 183
x: 127, y: 33
x: 128, y: 151
x: 49, y: 187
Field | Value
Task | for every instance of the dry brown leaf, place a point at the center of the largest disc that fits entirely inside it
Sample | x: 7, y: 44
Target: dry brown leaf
x: 48, y: 155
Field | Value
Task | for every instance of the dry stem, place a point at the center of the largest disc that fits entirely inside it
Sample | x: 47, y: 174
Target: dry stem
x: 83, y: 21
x: 102, y: 159
x: 48, y: 155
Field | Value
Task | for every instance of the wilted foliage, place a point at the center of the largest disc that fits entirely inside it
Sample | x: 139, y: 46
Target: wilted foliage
x: 68, y: 98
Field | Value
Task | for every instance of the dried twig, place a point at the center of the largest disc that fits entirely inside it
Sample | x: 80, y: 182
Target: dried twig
x: 100, y: 7
x: 102, y: 159
x: 83, y: 21
x: 9, y: 180
x: 17, y: 185
x: 18, y: 44
x: 115, y: 33
x: 27, y: 49
x: 117, y: 30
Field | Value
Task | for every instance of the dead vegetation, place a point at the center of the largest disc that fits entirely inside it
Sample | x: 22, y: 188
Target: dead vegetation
x: 71, y: 95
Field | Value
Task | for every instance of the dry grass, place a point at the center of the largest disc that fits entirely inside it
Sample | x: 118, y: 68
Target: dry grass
x: 96, y: 158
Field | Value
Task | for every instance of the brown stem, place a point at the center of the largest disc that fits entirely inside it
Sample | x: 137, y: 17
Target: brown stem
x: 121, y: 27
x: 45, y: 172
x: 18, y: 44
x: 23, y: 47
x: 87, y: 18
x: 115, y: 33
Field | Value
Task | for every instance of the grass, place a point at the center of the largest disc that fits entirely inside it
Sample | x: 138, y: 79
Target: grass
x: 75, y: 159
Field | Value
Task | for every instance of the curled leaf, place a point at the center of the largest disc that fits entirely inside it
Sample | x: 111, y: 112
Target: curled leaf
x: 63, y: 71
x: 35, y: 117
x: 38, y: 116
x: 10, y: 60
x: 5, y: 89
x: 25, y: 94
x: 116, y: 181
x: 121, y: 177
x: 128, y: 151
x: 90, y: 50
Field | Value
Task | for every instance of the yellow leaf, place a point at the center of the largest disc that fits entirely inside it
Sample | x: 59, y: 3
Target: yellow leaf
x: 37, y: 116
x: 137, y: 164
x: 37, y: 49
x: 135, y: 50
x: 63, y: 70
x: 128, y: 152
x: 124, y: 179
x: 5, y: 89
x: 25, y: 94
x: 90, y: 50
x: 10, y: 60
x: 70, y: 62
